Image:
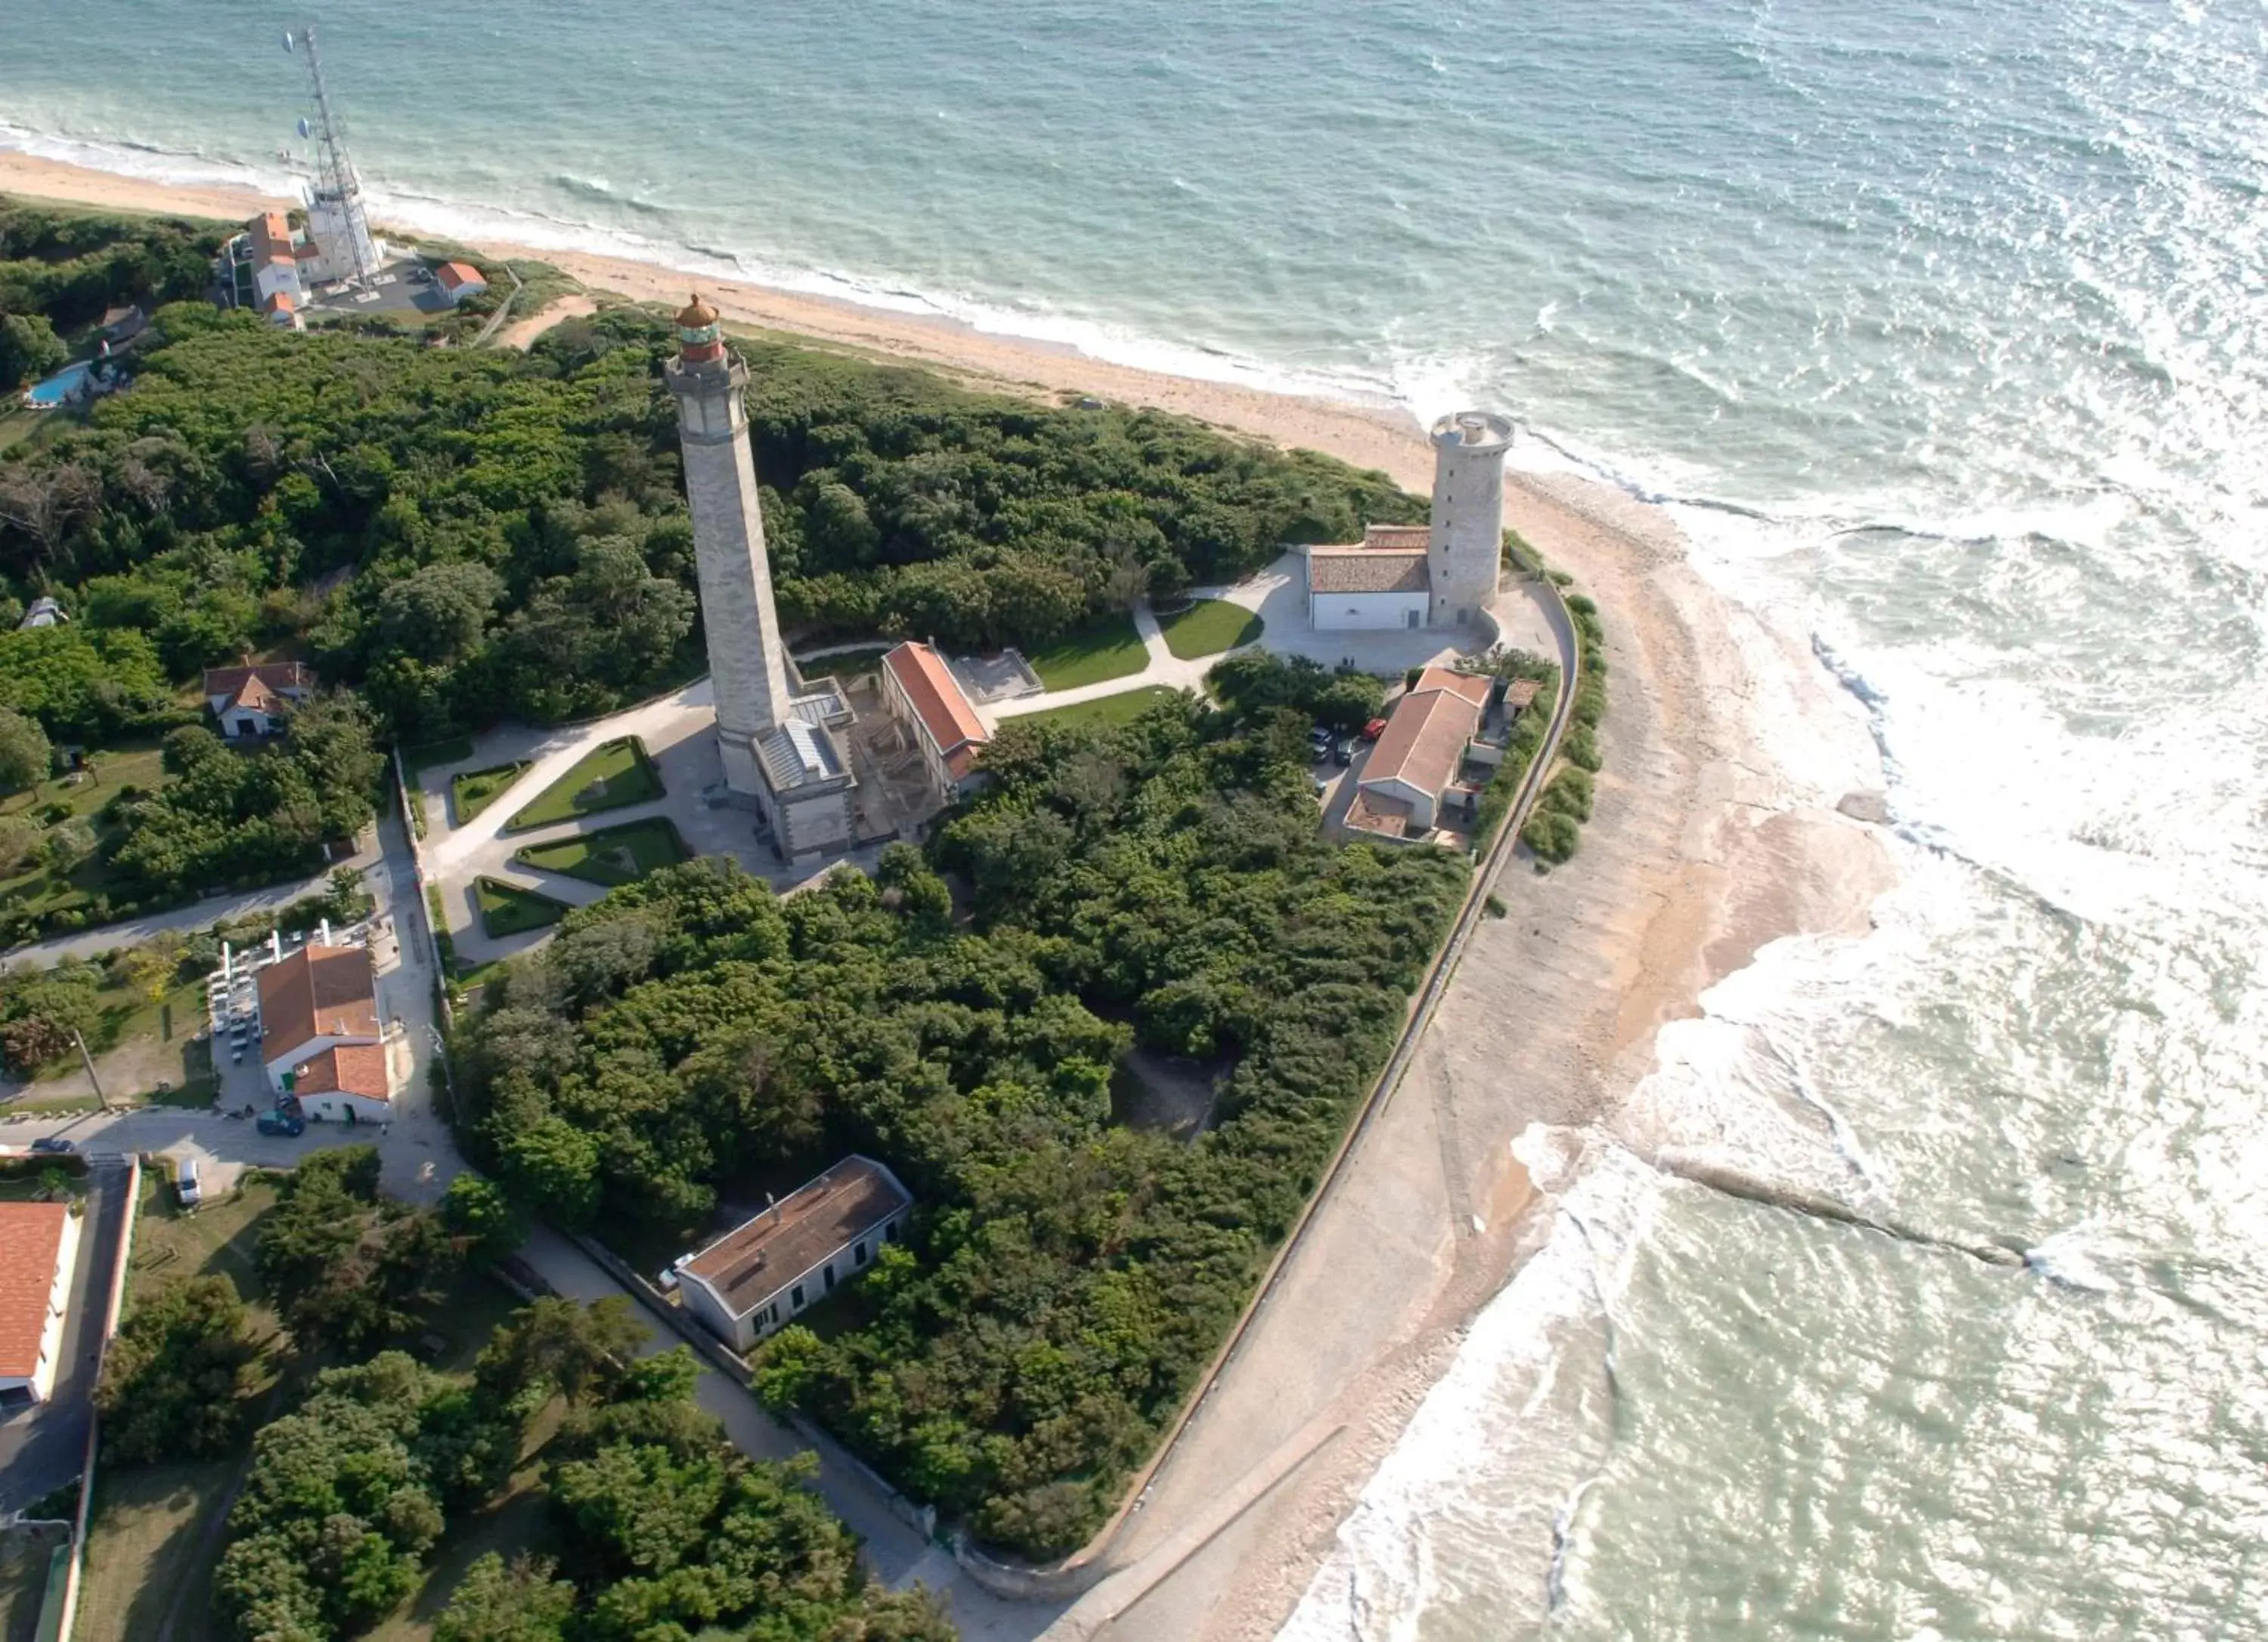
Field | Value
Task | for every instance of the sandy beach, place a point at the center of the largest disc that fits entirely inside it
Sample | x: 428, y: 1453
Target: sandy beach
x: 1700, y: 853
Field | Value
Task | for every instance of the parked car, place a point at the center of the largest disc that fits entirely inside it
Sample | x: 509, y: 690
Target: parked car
x: 281, y: 1122
x: 1375, y: 728
x: 1342, y: 751
x: 53, y: 1143
x: 186, y: 1186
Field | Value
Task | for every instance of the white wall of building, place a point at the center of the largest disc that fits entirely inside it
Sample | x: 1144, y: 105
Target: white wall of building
x: 338, y: 1107
x: 1366, y: 611
x: 41, y: 1381
x: 779, y: 1309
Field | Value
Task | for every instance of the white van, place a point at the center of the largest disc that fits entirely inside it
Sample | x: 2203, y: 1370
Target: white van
x: 185, y: 1184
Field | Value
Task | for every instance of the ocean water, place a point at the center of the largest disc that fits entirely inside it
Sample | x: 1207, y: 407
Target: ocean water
x: 1943, y: 326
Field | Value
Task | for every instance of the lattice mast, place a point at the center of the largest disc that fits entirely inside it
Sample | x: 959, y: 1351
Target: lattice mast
x: 337, y: 196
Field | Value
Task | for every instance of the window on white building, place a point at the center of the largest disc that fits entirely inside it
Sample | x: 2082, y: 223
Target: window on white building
x: 795, y: 1297
x: 858, y: 1254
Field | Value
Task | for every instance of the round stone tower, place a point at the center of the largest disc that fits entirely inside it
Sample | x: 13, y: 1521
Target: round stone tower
x: 1467, y: 546
x: 746, y: 665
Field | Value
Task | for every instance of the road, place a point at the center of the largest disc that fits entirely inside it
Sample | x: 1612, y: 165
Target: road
x: 419, y: 1157
x: 44, y: 1447
x: 199, y: 914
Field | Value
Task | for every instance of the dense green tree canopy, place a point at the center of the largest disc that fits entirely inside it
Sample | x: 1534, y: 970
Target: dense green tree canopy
x: 1163, y: 884
x: 505, y: 533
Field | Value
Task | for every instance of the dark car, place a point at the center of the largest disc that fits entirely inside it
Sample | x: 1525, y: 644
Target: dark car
x: 53, y: 1143
x: 1343, y: 750
x: 282, y: 1123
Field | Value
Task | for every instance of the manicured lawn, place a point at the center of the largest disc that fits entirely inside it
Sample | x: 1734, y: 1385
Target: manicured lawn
x: 1209, y: 627
x: 608, y: 777
x: 1108, y: 650
x: 612, y: 856
x: 508, y: 910
x: 1107, y: 713
x: 475, y: 791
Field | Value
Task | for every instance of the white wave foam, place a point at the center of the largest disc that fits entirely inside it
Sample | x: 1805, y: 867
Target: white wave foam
x: 1509, y: 1434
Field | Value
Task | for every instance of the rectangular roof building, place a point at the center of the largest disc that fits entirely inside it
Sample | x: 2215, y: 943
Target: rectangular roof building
x: 925, y: 695
x: 1419, y: 755
x: 39, y: 1253
x: 318, y: 999
x: 762, y: 1273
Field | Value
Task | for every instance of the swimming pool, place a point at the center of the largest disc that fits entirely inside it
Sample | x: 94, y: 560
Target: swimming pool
x: 57, y: 388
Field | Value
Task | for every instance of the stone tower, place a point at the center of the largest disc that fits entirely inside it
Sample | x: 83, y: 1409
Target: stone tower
x: 1466, y: 548
x: 747, y: 665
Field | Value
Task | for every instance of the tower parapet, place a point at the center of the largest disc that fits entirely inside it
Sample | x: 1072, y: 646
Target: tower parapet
x: 1466, y: 551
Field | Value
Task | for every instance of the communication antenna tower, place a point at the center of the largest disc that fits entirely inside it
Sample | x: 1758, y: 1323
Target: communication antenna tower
x: 334, y: 203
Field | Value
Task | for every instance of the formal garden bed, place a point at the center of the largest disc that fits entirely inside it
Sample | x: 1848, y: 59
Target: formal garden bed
x: 609, y: 777
x: 612, y: 856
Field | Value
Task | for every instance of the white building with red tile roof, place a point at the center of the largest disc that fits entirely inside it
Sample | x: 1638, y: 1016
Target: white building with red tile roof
x: 319, y: 999
x: 1444, y: 573
x: 256, y: 699
x: 925, y: 697
x: 39, y: 1252
x: 348, y: 1083
x: 1414, y: 766
x: 456, y: 280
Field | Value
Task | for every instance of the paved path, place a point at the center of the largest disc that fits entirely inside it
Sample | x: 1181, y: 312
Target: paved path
x: 199, y: 914
x: 898, y: 1555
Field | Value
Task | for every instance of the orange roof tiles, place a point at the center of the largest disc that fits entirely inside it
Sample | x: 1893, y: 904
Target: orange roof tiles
x: 282, y: 676
x: 1399, y: 536
x: 317, y: 991
x: 347, y: 1069
x: 454, y: 275
x: 31, y: 1237
x: 1425, y: 739
x: 940, y: 702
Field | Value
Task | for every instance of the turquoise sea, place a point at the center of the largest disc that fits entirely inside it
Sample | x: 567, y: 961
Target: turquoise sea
x: 1943, y: 327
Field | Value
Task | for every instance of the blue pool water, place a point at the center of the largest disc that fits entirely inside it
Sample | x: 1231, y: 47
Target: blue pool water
x: 57, y: 388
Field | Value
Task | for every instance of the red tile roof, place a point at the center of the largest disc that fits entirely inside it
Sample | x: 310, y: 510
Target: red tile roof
x: 30, y: 1237
x: 940, y: 702
x: 1425, y: 739
x: 280, y: 676
x: 348, y: 1069
x: 455, y: 275
x: 317, y: 991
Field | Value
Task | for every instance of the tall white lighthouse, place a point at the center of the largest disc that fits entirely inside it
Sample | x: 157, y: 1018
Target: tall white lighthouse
x: 777, y: 751
x: 1465, y: 551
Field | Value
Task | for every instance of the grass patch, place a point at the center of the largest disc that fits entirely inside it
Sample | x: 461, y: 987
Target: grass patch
x: 424, y: 756
x: 26, y: 1557
x: 508, y: 910
x: 475, y: 790
x: 1105, y: 712
x: 1108, y: 650
x: 612, y: 856
x: 1209, y: 627
x: 142, y: 1545
x: 606, y: 778
x: 38, y: 891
